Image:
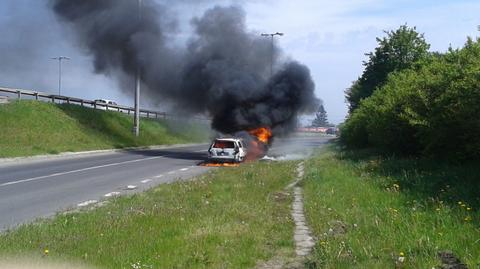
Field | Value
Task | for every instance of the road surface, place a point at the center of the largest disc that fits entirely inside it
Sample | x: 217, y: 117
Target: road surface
x: 38, y: 188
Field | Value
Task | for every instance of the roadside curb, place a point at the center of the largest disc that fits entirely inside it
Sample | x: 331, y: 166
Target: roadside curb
x: 66, y: 155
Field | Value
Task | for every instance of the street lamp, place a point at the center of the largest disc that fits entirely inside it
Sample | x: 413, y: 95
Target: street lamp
x: 136, y: 116
x: 60, y: 58
x: 271, y: 56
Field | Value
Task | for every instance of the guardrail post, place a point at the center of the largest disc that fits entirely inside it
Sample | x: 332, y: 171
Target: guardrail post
x: 68, y: 100
x: 156, y: 115
x: 81, y: 102
x: 53, y: 99
x: 106, y: 107
x: 36, y: 96
x: 19, y: 95
x: 148, y: 114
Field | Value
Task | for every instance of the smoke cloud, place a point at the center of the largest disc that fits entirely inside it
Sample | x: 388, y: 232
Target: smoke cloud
x: 224, y: 71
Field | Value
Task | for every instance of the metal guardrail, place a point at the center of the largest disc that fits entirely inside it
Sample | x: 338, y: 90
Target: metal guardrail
x: 18, y: 93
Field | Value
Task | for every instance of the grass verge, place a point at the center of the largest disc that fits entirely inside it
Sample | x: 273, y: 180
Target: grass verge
x: 373, y: 212
x: 31, y: 128
x: 230, y: 218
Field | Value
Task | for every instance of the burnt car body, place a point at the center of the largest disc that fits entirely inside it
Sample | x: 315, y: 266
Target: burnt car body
x: 227, y: 150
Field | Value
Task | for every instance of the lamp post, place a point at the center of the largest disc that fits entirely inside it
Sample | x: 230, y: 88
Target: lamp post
x: 271, y: 56
x: 136, y: 116
x: 60, y: 58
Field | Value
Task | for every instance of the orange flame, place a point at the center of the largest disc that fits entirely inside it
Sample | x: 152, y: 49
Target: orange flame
x: 258, y: 147
x: 263, y: 134
x: 220, y: 164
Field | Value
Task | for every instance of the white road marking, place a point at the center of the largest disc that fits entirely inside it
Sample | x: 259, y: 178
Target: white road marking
x: 203, y: 150
x: 184, y: 169
x: 131, y: 187
x: 146, y: 181
x: 75, y: 171
x: 113, y: 193
x: 159, y: 176
x: 171, y: 172
x: 89, y: 202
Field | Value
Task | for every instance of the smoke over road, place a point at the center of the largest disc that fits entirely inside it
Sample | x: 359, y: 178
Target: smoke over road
x: 223, y: 71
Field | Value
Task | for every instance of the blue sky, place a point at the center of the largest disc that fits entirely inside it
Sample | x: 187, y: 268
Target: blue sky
x: 330, y: 37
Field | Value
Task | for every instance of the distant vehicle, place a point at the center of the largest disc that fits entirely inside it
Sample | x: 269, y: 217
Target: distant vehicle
x: 227, y: 150
x: 105, y: 103
x: 331, y: 131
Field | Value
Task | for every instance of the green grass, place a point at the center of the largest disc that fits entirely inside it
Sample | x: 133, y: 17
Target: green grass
x: 231, y: 218
x: 366, y: 210
x: 32, y: 128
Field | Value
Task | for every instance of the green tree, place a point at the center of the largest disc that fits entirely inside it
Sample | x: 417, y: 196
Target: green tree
x: 399, y: 50
x: 321, y: 119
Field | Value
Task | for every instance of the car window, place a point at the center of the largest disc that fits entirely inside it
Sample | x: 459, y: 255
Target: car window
x: 224, y: 144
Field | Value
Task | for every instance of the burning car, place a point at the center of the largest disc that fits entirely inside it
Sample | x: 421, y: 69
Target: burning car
x: 227, y: 150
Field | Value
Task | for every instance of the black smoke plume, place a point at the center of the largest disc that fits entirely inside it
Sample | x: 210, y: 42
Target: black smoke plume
x: 224, y: 70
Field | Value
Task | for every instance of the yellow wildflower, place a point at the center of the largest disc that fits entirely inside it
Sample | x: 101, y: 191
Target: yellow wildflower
x: 469, y: 208
x: 45, y: 251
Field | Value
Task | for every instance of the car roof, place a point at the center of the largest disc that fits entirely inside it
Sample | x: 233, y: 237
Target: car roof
x: 228, y: 139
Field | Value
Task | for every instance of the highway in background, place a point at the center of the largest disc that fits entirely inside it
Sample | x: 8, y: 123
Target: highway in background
x: 36, y: 188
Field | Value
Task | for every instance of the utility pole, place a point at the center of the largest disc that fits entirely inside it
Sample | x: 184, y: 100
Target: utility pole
x: 60, y: 58
x: 136, y: 116
x: 271, y: 55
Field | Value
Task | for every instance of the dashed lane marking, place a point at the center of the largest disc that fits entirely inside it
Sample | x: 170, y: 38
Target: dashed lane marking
x: 146, y: 181
x: 159, y: 176
x: 171, y: 172
x: 131, y: 187
x: 89, y: 202
x: 113, y: 193
x: 184, y: 169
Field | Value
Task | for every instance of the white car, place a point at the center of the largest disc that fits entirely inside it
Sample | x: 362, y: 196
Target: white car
x: 227, y: 150
x: 104, y: 103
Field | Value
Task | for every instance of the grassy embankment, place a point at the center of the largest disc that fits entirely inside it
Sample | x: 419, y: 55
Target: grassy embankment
x: 31, y: 128
x: 368, y: 211
x: 231, y: 218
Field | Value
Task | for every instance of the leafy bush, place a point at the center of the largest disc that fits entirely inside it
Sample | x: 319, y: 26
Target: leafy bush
x: 432, y: 108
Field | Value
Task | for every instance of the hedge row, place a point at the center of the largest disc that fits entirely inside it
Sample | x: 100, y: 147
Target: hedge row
x: 432, y: 108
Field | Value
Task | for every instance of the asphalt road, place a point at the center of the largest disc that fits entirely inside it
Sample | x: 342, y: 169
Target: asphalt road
x: 32, y: 189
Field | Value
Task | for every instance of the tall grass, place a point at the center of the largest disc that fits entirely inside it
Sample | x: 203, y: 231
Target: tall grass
x: 369, y: 211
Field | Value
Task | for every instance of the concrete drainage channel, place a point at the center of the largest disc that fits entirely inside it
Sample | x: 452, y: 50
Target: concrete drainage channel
x: 303, y: 238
